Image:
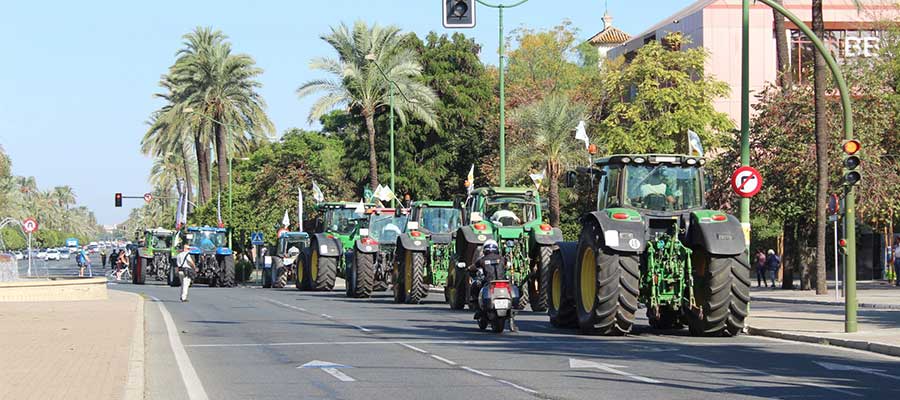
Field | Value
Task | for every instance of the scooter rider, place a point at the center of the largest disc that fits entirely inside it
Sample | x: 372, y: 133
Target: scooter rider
x: 493, y: 268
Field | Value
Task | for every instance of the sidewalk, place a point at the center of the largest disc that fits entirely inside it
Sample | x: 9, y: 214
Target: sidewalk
x: 869, y: 294
x: 72, y: 350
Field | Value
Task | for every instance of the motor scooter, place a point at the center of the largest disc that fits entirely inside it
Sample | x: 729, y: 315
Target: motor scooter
x: 494, y: 305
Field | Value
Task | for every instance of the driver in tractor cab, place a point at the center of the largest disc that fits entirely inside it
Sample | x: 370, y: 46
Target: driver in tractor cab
x: 504, y: 217
x: 292, y: 254
x: 655, y: 193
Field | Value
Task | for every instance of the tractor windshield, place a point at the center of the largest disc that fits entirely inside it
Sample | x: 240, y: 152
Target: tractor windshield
x: 662, y: 187
x: 510, y: 211
x: 440, y: 220
x: 208, y: 241
x: 340, y: 220
x: 159, y: 242
x: 387, y: 227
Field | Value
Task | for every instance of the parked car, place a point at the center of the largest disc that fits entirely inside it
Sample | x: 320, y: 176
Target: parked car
x: 52, y: 254
x: 19, y: 255
x: 64, y: 253
x: 41, y: 254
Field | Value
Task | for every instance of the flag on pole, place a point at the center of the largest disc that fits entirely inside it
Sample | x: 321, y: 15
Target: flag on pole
x: 361, y: 207
x: 581, y: 134
x: 219, y: 211
x: 695, y: 147
x: 318, y: 196
x: 178, y: 215
x: 300, y: 208
x: 286, y: 221
x: 184, y: 211
x: 538, y: 178
x: 470, y: 180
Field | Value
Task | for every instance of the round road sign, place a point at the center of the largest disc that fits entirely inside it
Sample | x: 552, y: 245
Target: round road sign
x: 30, y: 225
x: 148, y: 197
x: 746, y: 181
x: 834, y: 204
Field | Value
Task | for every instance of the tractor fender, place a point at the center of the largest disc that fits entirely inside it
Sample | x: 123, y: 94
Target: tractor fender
x: 470, y: 236
x: 328, y: 247
x: 365, y: 248
x: 547, y: 239
x: 625, y: 236
x: 413, y: 244
x: 724, y: 238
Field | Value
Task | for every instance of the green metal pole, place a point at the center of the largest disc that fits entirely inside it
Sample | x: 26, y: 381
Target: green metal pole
x: 745, y: 105
x: 850, y: 306
x: 393, y: 202
x: 502, y: 105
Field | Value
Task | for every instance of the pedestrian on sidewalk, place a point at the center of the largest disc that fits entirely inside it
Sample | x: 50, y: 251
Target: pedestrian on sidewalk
x: 761, y: 269
x: 773, y: 262
x: 103, y: 256
x: 186, y: 270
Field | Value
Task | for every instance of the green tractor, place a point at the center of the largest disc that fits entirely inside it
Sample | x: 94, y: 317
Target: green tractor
x: 154, y: 258
x: 335, y: 231
x: 512, y: 217
x: 369, y: 263
x: 284, y: 265
x: 424, y: 252
x: 651, y: 240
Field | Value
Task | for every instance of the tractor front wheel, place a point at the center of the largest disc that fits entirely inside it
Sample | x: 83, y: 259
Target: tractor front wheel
x: 322, y: 270
x: 606, y: 286
x: 227, y: 265
x: 722, y: 294
x: 455, y: 289
x: 360, y: 279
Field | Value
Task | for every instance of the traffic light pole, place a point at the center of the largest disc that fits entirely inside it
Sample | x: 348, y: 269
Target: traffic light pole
x: 850, y: 306
x: 502, y: 51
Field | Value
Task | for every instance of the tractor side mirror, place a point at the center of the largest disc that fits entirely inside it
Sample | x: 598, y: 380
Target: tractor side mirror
x: 457, y: 203
x: 412, y: 225
x: 571, y: 179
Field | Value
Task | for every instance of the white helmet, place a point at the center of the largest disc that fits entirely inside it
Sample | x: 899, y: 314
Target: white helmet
x: 293, y: 251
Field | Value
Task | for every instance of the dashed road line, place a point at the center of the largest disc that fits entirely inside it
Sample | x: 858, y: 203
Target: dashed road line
x: 475, y: 371
x: 362, y: 328
x: 413, y: 348
x: 189, y: 375
x: 442, y: 359
x: 701, y: 359
x: 522, y: 388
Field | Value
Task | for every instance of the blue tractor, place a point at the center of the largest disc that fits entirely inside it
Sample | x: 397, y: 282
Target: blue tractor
x: 213, y: 258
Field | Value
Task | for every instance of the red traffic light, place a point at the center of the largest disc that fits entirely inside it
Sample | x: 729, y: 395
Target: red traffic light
x: 842, y: 242
x: 851, y: 147
x: 118, y: 199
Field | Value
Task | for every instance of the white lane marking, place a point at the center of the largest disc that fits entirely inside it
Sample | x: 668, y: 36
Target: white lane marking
x: 453, y: 342
x: 192, y: 382
x: 701, y: 359
x: 413, y: 348
x: 475, y: 371
x: 442, y: 359
x: 841, y: 367
x: 338, y: 374
x: 576, y: 363
x: 796, y: 382
x: 362, y: 328
x: 327, y: 316
x: 522, y: 388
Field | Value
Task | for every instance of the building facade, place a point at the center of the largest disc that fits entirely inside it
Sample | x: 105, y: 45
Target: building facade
x: 716, y: 25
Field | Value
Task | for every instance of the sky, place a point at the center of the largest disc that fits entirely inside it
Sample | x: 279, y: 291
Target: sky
x: 78, y: 77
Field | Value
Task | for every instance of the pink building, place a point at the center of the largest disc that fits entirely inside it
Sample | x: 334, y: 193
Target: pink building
x: 716, y: 25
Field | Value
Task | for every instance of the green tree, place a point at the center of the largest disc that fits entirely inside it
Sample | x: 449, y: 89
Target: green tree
x: 549, y: 143
x: 660, y: 95
x: 359, y: 84
x: 169, y: 136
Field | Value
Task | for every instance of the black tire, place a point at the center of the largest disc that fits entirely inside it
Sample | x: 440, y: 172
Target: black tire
x: 282, y: 275
x: 380, y: 286
x: 173, y: 279
x: 606, y: 285
x: 140, y: 268
x: 227, y: 265
x: 399, y: 272
x: 524, y: 297
x: 498, y: 324
x: 667, y: 319
x: 722, y: 289
x: 539, y: 284
x: 267, y: 273
x: 561, y: 306
x: 362, y: 274
x: 482, y: 323
x: 455, y: 289
x: 322, y: 269
x: 417, y: 289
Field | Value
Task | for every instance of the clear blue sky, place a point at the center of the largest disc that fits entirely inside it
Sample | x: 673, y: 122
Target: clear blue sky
x: 77, y: 77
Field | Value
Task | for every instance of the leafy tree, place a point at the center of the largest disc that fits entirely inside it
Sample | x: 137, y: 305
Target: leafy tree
x: 360, y: 84
x: 660, y: 95
x: 543, y: 63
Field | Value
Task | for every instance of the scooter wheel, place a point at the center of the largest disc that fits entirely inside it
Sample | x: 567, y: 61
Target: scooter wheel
x: 482, y: 323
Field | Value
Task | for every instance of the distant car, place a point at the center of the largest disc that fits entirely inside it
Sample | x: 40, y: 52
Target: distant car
x: 41, y: 254
x: 64, y: 254
x: 52, y: 254
x: 19, y: 255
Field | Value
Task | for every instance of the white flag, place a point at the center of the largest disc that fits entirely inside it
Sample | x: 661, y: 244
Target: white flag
x: 300, y: 208
x: 581, y: 134
x: 285, y: 221
x: 386, y: 194
x: 361, y: 207
x: 180, y: 206
x: 538, y: 178
x: 318, y: 196
x: 470, y: 180
x: 695, y: 147
x: 219, y: 210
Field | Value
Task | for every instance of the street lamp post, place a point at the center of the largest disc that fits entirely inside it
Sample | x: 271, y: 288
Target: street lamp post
x: 502, y: 50
x: 373, y: 59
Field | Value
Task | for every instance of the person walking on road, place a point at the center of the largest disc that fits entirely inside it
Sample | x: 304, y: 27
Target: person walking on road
x: 103, y: 256
x: 761, y: 269
x: 121, y: 264
x: 773, y: 262
x: 896, y: 261
x: 83, y: 262
x: 186, y: 270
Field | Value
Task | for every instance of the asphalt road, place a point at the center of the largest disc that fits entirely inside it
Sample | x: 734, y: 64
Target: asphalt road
x: 244, y: 343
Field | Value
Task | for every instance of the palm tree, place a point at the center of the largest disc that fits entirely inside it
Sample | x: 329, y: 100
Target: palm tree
x: 169, y: 134
x: 781, y: 50
x: 550, y: 144
x: 222, y: 86
x: 358, y: 84
x: 64, y: 195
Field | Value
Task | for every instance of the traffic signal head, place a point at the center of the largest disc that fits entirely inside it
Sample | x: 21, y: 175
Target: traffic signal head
x: 459, y: 13
x: 851, y: 161
x: 118, y: 199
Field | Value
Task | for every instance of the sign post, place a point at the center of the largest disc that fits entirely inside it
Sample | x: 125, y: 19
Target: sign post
x: 834, y: 207
x: 29, y: 225
x: 256, y: 239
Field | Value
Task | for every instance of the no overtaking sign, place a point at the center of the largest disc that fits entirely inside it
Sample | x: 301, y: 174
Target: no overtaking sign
x: 746, y: 181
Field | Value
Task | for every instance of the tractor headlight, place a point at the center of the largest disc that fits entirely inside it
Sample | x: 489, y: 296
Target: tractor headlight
x: 691, y: 161
x: 626, y: 160
x: 510, y: 243
x: 639, y: 160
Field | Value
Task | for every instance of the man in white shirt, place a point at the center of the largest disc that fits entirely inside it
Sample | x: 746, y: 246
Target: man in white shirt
x: 186, y: 270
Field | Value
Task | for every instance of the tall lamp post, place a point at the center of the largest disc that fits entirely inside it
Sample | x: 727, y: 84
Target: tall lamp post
x: 502, y: 50
x: 373, y: 59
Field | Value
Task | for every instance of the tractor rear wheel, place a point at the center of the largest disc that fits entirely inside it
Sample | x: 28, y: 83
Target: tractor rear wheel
x: 362, y: 274
x: 302, y: 277
x: 561, y: 306
x: 282, y: 280
x: 399, y: 280
x: 415, y: 287
x: 455, y: 289
x: 173, y: 279
x: 267, y: 273
x: 606, y: 285
x: 723, y: 293
x: 322, y: 270
x: 227, y: 265
x: 538, y: 285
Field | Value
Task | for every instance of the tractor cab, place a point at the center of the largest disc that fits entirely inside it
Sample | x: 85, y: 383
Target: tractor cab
x: 383, y: 225
x: 287, y: 240
x: 436, y: 219
x: 208, y: 240
x: 340, y: 219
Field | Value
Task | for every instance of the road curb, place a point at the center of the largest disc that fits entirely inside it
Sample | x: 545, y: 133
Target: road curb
x: 881, y: 348
x: 135, y: 385
x: 874, y: 306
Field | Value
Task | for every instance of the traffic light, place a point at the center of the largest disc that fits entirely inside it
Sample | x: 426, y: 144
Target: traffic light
x: 842, y: 246
x: 459, y: 13
x: 851, y: 175
x: 118, y: 199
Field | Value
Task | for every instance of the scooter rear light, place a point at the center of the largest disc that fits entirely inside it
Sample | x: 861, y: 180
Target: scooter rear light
x: 499, y: 285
